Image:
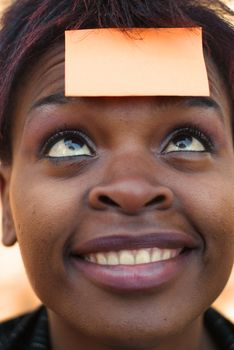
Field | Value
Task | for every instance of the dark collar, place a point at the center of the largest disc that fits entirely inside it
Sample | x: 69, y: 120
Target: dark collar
x: 220, y: 329
x: 31, y: 331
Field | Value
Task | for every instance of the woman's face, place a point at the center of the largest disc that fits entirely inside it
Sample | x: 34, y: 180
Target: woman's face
x: 122, y: 207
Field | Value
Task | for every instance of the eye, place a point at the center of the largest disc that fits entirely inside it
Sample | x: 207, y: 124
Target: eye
x: 68, y: 144
x: 188, y: 140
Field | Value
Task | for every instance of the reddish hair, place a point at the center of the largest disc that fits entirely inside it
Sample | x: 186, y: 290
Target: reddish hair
x: 29, y: 28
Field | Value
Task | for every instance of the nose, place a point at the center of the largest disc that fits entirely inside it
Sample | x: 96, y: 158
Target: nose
x: 130, y: 196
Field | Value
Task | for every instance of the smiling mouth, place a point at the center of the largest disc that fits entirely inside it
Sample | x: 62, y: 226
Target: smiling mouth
x: 128, y: 262
x: 132, y: 257
x: 134, y: 250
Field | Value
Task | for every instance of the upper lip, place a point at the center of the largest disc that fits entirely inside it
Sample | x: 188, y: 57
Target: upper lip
x: 163, y: 239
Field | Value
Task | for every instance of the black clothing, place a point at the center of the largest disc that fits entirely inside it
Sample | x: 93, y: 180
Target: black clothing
x: 220, y: 329
x: 30, y: 331
x: 27, y: 332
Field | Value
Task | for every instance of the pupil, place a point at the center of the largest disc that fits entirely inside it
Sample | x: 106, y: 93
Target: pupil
x: 73, y: 146
x: 183, y: 141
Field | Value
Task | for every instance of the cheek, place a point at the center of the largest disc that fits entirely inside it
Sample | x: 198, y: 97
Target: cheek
x: 209, y: 209
x: 44, y: 220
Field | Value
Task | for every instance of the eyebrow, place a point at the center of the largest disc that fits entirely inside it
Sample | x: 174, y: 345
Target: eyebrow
x: 54, y: 99
x: 204, y: 102
x: 200, y: 102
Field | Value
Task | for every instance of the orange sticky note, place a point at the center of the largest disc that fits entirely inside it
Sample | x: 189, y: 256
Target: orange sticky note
x: 146, y: 62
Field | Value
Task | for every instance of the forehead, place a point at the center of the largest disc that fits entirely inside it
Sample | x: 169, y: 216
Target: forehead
x: 47, y: 78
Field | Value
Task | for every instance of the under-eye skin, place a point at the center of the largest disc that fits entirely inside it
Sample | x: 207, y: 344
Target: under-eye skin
x: 66, y: 144
x: 188, y: 139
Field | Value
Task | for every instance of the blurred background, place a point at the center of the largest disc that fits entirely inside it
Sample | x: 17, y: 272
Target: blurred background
x: 16, y: 295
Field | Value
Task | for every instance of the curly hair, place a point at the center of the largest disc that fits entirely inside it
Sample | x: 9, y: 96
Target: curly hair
x: 29, y: 28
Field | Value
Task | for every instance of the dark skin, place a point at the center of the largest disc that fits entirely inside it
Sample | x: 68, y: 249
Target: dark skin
x: 132, y: 158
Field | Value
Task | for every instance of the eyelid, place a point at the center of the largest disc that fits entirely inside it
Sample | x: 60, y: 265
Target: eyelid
x: 59, y: 134
x: 195, y: 131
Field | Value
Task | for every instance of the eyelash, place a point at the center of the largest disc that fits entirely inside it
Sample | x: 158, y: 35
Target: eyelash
x: 59, y: 134
x: 194, y: 131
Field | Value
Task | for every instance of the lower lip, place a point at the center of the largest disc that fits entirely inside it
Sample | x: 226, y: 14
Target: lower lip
x: 133, y: 277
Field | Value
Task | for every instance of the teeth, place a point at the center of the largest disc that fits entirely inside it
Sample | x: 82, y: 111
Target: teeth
x: 133, y: 257
x: 156, y: 254
x: 166, y: 254
x: 92, y: 258
x: 143, y: 256
x: 101, y: 259
x: 126, y: 258
x: 112, y: 258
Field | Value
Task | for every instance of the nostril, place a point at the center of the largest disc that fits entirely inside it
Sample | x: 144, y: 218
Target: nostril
x: 108, y: 201
x: 156, y: 200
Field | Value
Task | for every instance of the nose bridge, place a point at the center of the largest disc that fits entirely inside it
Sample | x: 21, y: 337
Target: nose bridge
x: 131, y: 183
x: 135, y: 165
